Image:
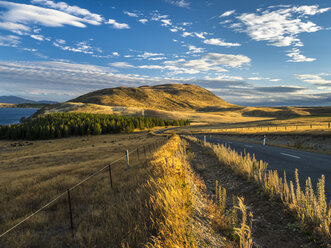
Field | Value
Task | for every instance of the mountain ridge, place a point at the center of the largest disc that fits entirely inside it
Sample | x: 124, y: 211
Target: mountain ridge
x: 20, y: 100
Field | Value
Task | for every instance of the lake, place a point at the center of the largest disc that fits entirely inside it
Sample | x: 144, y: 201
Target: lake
x: 13, y: 115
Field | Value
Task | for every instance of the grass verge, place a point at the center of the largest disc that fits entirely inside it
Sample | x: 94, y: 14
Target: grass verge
x: 309, y: 207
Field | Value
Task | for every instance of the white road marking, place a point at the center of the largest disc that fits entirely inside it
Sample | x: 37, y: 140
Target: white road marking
x: 289, y: 155
x: 248, y: 146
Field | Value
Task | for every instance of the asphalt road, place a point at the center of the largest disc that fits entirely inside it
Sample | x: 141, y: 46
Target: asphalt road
x: 309, y: 164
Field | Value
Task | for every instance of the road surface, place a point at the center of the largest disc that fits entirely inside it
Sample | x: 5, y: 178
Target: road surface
x: 309, y: 164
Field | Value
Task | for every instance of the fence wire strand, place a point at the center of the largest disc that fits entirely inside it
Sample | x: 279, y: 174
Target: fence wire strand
x: 60, y: 195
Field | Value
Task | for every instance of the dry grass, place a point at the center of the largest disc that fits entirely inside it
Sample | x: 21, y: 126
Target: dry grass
x: 32, y: 175
x: 154, y: 204
x: 162, y: 97
x: 225, y: 219
x: 309, y: 207
x: 7, y: 105
x: 300, y: 126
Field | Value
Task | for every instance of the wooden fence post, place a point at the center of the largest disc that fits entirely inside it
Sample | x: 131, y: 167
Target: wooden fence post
x: 110, y: 177
x: 127, y: 159
x: 70, y: 212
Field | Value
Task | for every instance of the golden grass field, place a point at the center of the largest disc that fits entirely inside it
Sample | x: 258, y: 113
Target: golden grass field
x: 36, y: 172
x: 160, y: 203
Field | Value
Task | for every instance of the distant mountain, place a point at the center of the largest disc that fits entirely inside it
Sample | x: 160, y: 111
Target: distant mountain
x: 19, y: 100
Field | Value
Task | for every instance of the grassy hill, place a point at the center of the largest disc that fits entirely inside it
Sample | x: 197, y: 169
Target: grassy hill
x: 176, y: 101
x: 163, y: 97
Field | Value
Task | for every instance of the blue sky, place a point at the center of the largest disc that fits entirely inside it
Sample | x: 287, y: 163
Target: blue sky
x: 247, y: 52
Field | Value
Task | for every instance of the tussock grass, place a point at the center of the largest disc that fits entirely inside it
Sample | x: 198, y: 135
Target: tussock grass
x: 226, y: 221
x: 173, y: 197
x: 309, y: 207
x: 102, y: 217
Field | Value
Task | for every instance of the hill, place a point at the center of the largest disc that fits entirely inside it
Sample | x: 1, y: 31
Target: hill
x: 20, y: 100
x: 168, y: 97
x: 175, y: 101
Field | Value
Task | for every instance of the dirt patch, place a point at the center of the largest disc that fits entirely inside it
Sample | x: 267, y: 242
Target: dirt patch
x: 273, y: 226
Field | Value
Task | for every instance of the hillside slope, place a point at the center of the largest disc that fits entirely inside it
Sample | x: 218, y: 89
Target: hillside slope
x: 171, y: 97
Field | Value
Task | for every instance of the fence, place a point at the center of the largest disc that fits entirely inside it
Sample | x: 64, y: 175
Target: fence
x: 146, y: 149
x: 273, y: 128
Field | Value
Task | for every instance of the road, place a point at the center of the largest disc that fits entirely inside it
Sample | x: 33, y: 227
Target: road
x: 309, y: 164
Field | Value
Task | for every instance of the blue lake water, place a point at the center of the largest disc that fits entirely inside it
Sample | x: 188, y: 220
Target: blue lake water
x: 13, y: 115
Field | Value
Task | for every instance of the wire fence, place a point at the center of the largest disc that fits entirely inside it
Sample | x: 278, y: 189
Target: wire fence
x: 273, y: 128
x: 145, y: 149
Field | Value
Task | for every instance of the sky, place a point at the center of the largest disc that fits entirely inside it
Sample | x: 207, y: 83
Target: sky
x: 253, y: 53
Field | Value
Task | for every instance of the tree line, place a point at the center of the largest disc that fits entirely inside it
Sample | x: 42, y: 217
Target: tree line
x: 74, y: 124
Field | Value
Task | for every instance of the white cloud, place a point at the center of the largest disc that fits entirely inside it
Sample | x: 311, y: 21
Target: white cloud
x: 185, y: 34
x: 17, y: 28
x: 18, y: 17
x: 255, y: 78
x: 225, y: 22
x: 121, y: 65
x: 180, y: 3
x: 151, y: 67
x: 296, y: 56
x: 315, y: 79
x: 80, y: 47
x: 38, y: 37
x: 147, y: 55
x: 194, y: 49
x: 228, y: 59
x: 211, y: 62
x: 94, y: 19
x: 61, y: 41
x: 227, y: 13
x: 156, y: 16
x: 116, y: 54
x: 166, y: 22
x: 9, y: 40
x: 131, y: 14
x: 143, y: 21
x: 201, y: 35
x: 63, y: 81
x: 219, y: 42
x: 30, y: 49
x: 156, y: 58
x: 263, y: 78
x: 310, y: 10
x: 173, y: 30
x: 117, y: 25
x: 280, y: 27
